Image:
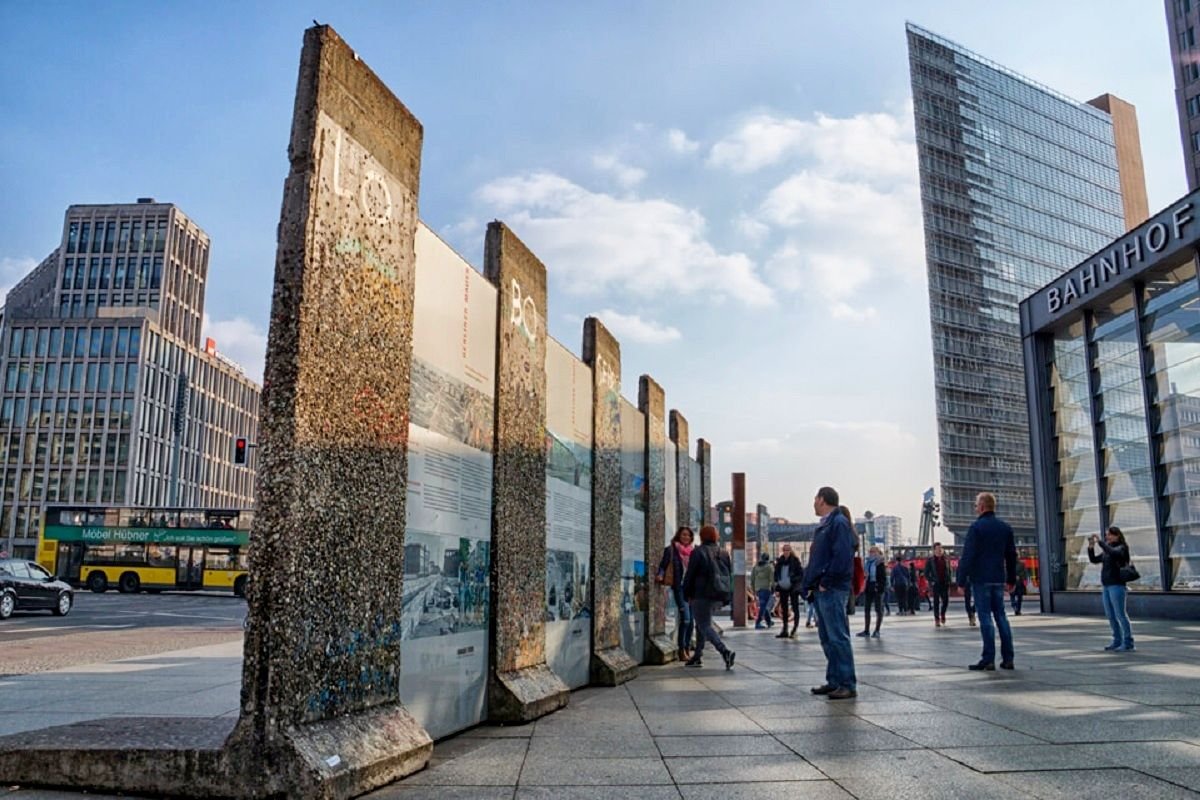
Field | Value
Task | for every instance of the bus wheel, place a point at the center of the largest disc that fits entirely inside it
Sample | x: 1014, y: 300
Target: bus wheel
x: 239, y: 586
x: 97, y: 582
x: 129, y: 583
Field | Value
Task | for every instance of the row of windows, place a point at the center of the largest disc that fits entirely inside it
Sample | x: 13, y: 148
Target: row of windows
x: 41, y: 449
x: 94, y: 377
x: 79, y: 306
x: 146, y: 273
x: 69, y: 413
x: 102, y: 236
x: 99, y: 342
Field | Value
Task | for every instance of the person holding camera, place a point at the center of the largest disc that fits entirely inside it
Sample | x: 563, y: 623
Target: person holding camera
x: 1116, y: 572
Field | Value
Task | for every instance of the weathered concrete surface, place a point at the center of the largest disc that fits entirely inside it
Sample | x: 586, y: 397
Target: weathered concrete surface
x: 521, y: 686
x: 660, y: 648
x: 611, y: 665
x: 683, y: 474
x: 704, y: 458
x: 321, y: 715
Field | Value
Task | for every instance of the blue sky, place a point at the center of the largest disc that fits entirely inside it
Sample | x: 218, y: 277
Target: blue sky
x: 732, y: 187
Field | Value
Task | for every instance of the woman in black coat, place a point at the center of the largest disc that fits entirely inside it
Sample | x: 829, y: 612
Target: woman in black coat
x: 671, y: 569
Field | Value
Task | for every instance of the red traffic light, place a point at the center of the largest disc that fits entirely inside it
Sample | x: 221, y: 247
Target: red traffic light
x: 239, y: 450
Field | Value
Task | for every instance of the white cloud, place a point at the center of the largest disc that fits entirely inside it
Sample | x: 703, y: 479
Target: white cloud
x: 594, y: 241
x: 632, y: 328
x: 679, y: 142
x: 849, y: 313
x: 875, y: 432
x: 12, y: 270
x: 625, y: 175
x: 241, y: 341
x: 751, y: 229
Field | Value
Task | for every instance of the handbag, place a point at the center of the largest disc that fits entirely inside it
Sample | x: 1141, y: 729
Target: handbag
x: 667, y: 576
x: 1129, y: 574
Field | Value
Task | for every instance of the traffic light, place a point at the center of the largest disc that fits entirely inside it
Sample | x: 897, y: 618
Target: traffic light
x: 239, y: 450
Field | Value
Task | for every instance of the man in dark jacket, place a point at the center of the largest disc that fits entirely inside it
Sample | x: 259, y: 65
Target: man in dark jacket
x: 989, y: 562
x: 789, y: 574
x: 937, y: 572
x: 827, y: 582
x: 708, y: 584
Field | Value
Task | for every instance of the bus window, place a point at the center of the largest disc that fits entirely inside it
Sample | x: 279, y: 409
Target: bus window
x: 191, y: 519
x: 218, y: 558
x: 160, y: 555
x: 99, y: 554
x: 241, y: 559
x: 126, y: 553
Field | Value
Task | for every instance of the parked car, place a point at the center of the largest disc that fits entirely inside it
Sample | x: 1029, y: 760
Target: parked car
x: 26, y: 586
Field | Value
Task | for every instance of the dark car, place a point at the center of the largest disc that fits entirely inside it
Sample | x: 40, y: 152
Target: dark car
x: 25, y: 586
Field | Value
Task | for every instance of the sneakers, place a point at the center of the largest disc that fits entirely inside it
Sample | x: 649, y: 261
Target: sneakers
x: 1006, y: 665
x: 783, y: 634
x: 864, y: 633
x: 1113, y: 646
x: 937, y: 623
x: 875, y: 635
x: 694, y: 662
x: 841, y: 694
x: 826, y: 689
x: 984, y: 666
x: 729, y: 655
x: 1125, y: 648
x: 759, y: 626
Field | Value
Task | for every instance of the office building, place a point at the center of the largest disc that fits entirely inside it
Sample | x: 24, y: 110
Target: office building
x: 108, y: 397
x: 1018, y: 183
x: 1112, y: 358
x: 1183, y: 20
x: 888, y: 531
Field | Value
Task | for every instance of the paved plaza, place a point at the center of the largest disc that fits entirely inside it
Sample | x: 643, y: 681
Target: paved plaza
x: 1070, y: 721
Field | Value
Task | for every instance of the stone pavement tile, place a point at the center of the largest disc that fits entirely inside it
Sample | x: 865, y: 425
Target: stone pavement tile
x: 691, y: 701
x: 866, y: 707
x: 35, y: 721
x: 748, y: 745
x: 1153, y: 755
x: 598, y: 745
x: 936, y: 732
x: 950, y: 782
x: 722, y: 722
x: 812, y: 744
x: 1183, y: 776
x: 816, y: 708
x: 583, y: 724
x: 556, y: 771
x: 902, y: 763
x: 1104, y: 784
x: 1154, y: 725
x: 809, y: 790
x: 486, y: 731
x: 496, y: 762
x: 1031, y: 757
x: 839, y: 723
x: 746, y: 769
x: 597, y: 793
x: 402, y: 791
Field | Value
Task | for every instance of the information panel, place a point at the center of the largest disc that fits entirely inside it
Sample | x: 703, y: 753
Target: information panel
x: 568, y: 515
x: 445, y: 619
x: 633, y: 530
x: 671, y: 492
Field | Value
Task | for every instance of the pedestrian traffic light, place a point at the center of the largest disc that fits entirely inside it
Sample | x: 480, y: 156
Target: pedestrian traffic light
x: 239, y: 450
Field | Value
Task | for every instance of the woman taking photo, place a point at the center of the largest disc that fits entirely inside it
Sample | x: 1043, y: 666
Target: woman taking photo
x: 671, y: 569
x: 1115, y: 555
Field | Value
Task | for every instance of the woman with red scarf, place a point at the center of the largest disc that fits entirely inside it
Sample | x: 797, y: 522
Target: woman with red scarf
x: 671, y: 569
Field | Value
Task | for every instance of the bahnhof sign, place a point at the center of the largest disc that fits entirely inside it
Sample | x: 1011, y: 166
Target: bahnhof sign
x: 1112, y: 374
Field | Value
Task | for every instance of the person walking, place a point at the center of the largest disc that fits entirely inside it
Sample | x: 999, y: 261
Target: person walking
x: 671, y: 569
x: 762, y: 578
x: 900, y: 586
x: 827, y: 582
x: 1114, y: 556
x: 1019, y: 589
x: 989, y: 561
x: 788, y: 575
x: 968, y: 601
x: 708, y: 585
x: 873, y: 592
x: 937, y: 572
x: 914, y: 588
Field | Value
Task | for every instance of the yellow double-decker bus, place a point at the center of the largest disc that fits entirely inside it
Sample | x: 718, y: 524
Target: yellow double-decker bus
x: 137, y: 549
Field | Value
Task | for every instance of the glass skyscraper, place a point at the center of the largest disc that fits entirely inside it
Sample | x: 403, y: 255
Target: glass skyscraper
x: 1018, y: 184
x: 107, y: 397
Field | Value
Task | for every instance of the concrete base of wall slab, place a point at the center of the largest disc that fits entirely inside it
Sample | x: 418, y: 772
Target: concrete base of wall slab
x: 524, y: 695
x: 612, y: 667
x: 192, y: 757
x: 660, y: 649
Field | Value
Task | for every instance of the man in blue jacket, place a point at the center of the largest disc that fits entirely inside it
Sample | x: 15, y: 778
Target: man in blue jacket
x: 989, y: 562
x: 827, y: 582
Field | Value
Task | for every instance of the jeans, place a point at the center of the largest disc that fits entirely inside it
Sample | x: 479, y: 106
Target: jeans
x: 792, y: 599
x: 764, y: 602
x: 834, y: 633
x: 969, y: 600
x: 941, y: 600
x: 989, y: 599
x: 702, y: 612
x: 873, y: 598
x: 812, y: 612
x: 887, y: 600
x: 1118, y: 618
x: 683, y: 620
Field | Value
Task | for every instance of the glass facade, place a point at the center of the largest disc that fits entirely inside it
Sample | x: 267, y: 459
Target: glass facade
x: 1018, y: 184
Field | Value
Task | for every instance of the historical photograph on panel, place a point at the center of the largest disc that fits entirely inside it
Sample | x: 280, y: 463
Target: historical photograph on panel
x: 445, y: 405
x: 566, y: 586
x: 445, y: 585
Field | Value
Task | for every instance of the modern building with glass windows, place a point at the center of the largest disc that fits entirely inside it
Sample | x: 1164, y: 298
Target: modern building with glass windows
x: 1018, y: 183
x: 1183, y: 25
x: 1112, y: 358
x: 107, y: 395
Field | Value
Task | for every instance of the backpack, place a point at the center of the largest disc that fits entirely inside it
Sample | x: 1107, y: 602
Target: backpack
x: 722, y: 577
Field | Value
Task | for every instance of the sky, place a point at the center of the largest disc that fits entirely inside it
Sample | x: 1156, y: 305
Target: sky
x: 731, y: 188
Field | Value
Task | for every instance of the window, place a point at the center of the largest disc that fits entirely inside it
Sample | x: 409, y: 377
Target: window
x: 105, y: 273
x: 1195, y: 139
x: 123, y: 243
x: 109, y: 231
x: 14, y: 342
x: 1191, y: 71
x: 1182, y: 7
x: 73, y: 237
x: 85, y: 231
